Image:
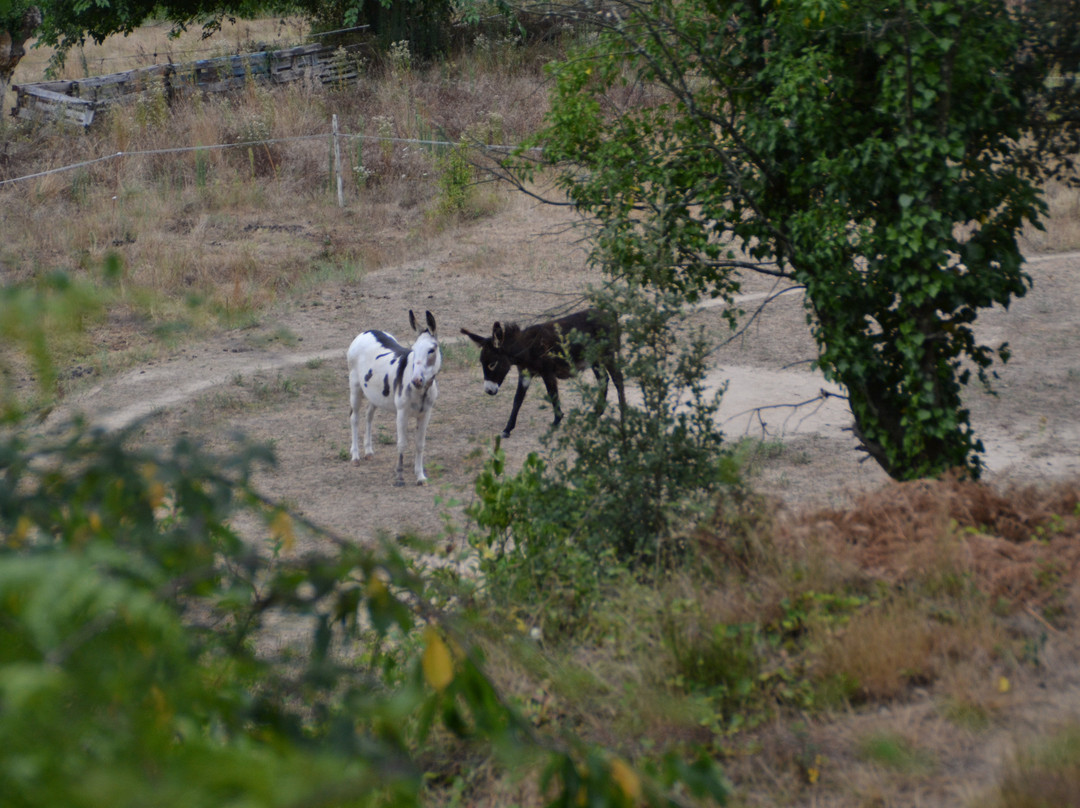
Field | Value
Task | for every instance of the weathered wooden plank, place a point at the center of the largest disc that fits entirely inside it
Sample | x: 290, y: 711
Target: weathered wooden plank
x: 35, y: 92
x: 58, y: 86
x: 303, y: 62
x: 34, y: 102
x: 124, y: 77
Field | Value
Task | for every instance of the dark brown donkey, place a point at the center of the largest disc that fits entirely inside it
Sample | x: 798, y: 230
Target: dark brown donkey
x: 552, y: 350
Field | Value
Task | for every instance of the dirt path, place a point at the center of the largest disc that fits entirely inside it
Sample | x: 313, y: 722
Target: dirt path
x: 524, y: 264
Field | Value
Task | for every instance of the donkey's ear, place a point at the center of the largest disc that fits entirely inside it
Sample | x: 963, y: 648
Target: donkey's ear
x: 430, y: 322
x: 497, y: 335
x: 474, y: 337
x: 412, y: 321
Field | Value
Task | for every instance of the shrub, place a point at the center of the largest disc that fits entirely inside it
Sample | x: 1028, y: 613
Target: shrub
x: 613, y: 492
x: 657, y: 466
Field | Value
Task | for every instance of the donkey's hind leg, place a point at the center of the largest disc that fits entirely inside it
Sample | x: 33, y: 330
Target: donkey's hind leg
x: 602, y: 372
x: 601, y: 379
x: 369, y: 417
x: 354, y: 418
x: 615, y: 372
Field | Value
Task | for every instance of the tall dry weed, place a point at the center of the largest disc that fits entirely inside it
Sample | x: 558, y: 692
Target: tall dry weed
x: 1062, y: 233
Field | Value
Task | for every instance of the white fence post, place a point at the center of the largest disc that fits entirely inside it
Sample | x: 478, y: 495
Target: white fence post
x: 337, y: 161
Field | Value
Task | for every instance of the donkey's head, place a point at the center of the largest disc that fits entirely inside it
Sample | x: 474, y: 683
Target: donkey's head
x: 427, y: 358
x: 493, y: 357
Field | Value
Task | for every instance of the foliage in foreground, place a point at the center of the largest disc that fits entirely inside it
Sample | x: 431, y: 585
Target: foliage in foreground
x: 142, y: 659
x: 870, y: 154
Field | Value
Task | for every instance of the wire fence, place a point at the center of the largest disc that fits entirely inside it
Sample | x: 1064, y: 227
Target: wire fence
x: 326, y: 136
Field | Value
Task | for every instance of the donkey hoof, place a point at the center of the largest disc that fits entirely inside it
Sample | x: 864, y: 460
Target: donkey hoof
x: 356, y: 461
x: 399, y: 483
x: 506, y: 433
x: 421, y: 482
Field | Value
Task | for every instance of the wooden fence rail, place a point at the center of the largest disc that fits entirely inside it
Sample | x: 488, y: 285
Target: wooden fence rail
x: 77, y: 100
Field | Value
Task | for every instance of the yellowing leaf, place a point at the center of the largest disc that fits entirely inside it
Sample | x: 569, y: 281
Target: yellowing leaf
x: 627, y: 779
x: 22, y: 530
x: 281, y: 529
x: 1003, y: 684
x: 376, y: 588
x: 155, y: 493
x: 436, y: 662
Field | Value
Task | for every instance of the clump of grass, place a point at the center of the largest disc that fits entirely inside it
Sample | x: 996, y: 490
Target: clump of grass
x: 1046, y: 773
x: 460, y: 354
x: 897, y: 753
x: 884, y: 649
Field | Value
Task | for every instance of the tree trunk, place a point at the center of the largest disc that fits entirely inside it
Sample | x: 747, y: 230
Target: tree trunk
x: 12, y: 50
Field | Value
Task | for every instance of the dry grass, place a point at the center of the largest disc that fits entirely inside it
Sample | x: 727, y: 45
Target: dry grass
x: 1063, y: 226
x: 210, y: 232
x: 1046, y: 773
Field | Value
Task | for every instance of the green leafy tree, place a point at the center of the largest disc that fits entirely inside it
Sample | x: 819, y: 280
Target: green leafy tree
x: 427, y: 25
x: 424, y: 24
x: 865, y: 151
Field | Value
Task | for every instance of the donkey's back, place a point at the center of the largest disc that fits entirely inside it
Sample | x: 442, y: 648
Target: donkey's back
x: 376, y: 366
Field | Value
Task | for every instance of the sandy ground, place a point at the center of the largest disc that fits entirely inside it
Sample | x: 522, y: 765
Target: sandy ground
x: 524, y: 265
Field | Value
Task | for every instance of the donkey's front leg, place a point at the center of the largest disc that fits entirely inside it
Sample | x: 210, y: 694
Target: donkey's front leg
x: 402, y: 438
x: 519, y: 396
x: 421, y: 438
